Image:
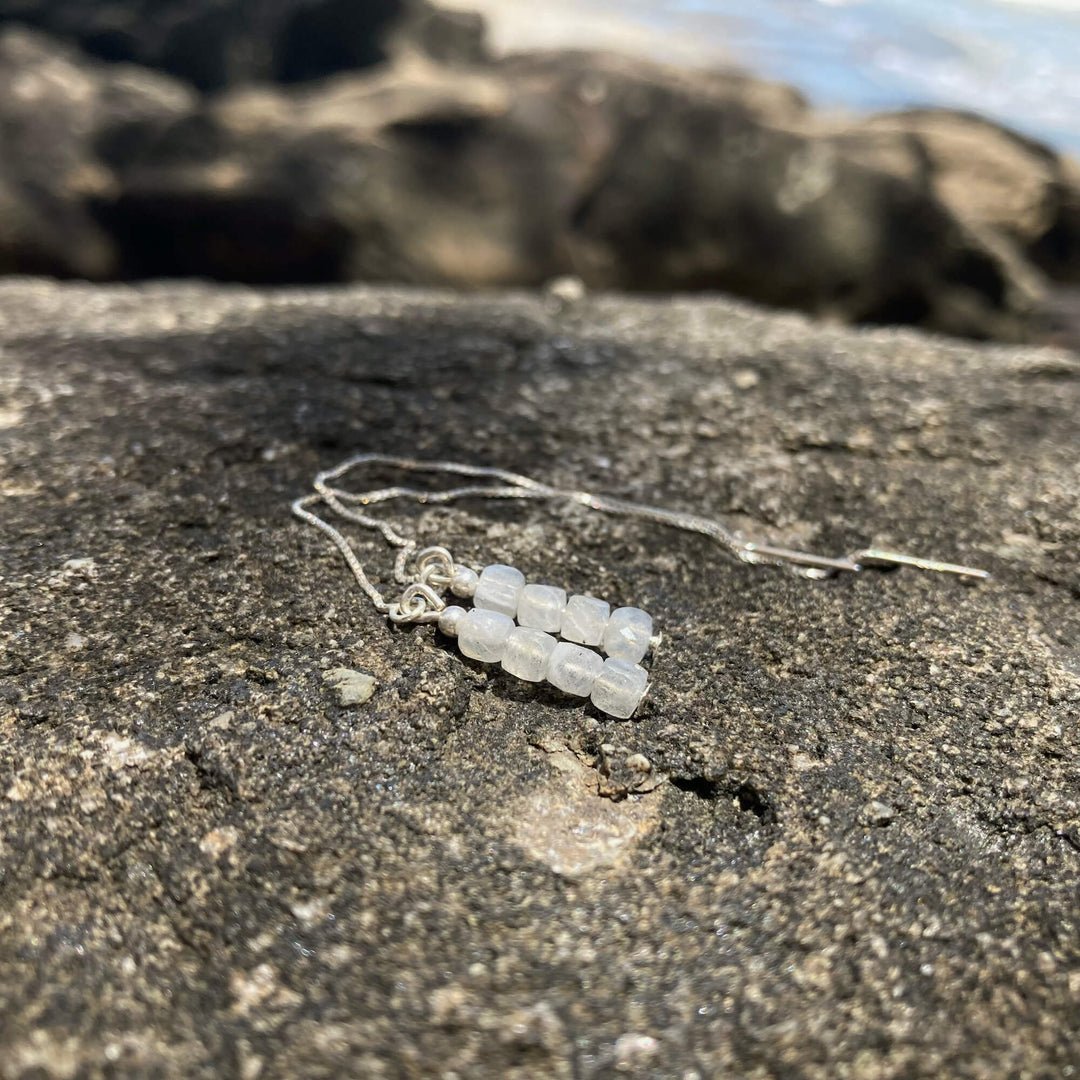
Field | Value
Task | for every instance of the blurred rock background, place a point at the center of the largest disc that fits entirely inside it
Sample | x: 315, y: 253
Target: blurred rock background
x: 298, y: 141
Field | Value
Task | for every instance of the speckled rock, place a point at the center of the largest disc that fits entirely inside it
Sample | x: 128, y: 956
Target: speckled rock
x: 209, y: 867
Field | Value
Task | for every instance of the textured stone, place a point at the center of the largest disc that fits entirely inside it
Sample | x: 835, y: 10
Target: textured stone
x: 626, y: 174
x: 425, y: 162
x: 209, y: 868
x: 63, y: 121
x: 994, y: 178
x: 217, y: 43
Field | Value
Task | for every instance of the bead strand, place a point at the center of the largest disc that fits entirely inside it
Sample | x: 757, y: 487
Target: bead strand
x: 615, y: 685
x: 625, y: 633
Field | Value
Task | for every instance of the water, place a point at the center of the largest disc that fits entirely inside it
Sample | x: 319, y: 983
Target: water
x: 1018, y: 62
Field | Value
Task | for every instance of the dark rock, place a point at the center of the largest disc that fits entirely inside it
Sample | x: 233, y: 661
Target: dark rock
x: 213, y: 44
x: 996, y: 179
x: 209, y: 867
x: 449, y: 37
x: 699, y: 197
x: 416, y: 173
x: 1063, y: 317
x: 59, y: 117
x: 624, y: 174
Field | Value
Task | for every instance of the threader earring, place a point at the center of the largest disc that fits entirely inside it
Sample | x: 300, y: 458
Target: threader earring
x: 534, y: 630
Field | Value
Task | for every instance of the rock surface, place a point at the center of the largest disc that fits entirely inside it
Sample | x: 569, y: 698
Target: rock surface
x: 996, y: 179
x: 60, y: 120
x: 626, y: 174
x: 213, y: 44
x: 424, y: 161
x: 840, y: 839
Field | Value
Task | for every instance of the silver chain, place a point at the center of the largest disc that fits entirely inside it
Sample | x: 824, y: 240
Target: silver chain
x: 433, y: 567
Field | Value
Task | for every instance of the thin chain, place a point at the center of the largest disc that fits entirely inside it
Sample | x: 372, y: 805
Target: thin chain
x: 300, y: 509
x: 512, y: 485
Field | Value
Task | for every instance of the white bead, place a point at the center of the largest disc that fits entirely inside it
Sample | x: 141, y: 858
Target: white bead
x: 584, y: 620
x: 573, y: 669
x: 541, y: 607
x: 620, y: 687
x: 463, y: 581
x: 499, y: 588
x: 527, y: 653
x: 450, y: 620
x: 628, y: 633
x: 482, y: 634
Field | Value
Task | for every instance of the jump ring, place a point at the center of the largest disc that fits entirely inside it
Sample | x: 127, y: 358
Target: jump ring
x: 435, y: 567
x: 418, y: 603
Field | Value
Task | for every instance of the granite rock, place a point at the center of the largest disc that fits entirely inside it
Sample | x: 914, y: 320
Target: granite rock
x: 210, y: 867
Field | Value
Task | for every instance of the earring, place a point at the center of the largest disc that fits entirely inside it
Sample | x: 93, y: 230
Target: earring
x: 535, y: 631
x: 528, y: 647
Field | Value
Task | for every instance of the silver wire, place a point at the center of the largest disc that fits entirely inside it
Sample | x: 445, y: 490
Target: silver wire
x: 513, y: 485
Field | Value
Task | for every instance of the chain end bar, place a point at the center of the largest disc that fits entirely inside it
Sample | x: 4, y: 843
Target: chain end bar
x: 885, y: 559
x: 876, y: 558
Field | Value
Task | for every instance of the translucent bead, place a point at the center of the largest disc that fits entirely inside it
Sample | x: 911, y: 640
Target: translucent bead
x: 573, y: 669
x: 450, y: 620
x: 499, y: 588
x: 528, y: 653
x: 584, y: 620
x: 541, y: 607
x: 483, y: 634
x: 619, y: 688
x: 463, y: 581
x: 627, y: 634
